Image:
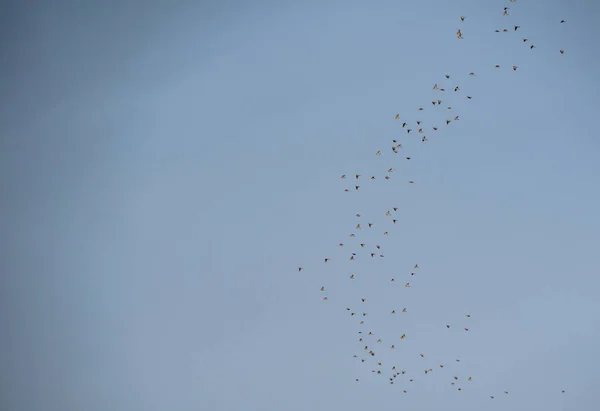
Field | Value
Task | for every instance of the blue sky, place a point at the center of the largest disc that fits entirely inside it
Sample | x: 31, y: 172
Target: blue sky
x: 165, y: 168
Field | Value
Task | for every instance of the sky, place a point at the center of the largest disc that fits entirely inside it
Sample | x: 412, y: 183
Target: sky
x: 165, y: 167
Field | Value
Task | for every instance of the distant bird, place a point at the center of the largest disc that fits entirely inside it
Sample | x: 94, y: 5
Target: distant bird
x: 462, y: 18
x: 327, y: 259
x: 515, y: 68
x: 562, y: 51
x: 397, y: 116
x: 378, y: 153
x: 459, y: 34
x: 343, y: 175
x: 562, y: 21
x: 517, y: 27
x: 322, y: 288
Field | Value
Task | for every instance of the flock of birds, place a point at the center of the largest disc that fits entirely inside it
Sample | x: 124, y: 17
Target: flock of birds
x: 371, y: 343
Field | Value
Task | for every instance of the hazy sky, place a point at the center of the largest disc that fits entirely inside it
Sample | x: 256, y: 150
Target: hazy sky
x: 166, y: 166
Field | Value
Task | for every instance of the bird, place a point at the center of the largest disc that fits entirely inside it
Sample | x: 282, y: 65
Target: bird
x: 462, y: 18
x: 562, y: 21
x: 562, y: 51
x: 327, y: 259
x: 459, y: 34
x: 322, y: 288
x: 352, y: 276
x: 515, y: 68
x: 397, y: 116
x: 517, y: 27
x: 378, y: 153
x: 299, y: 269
